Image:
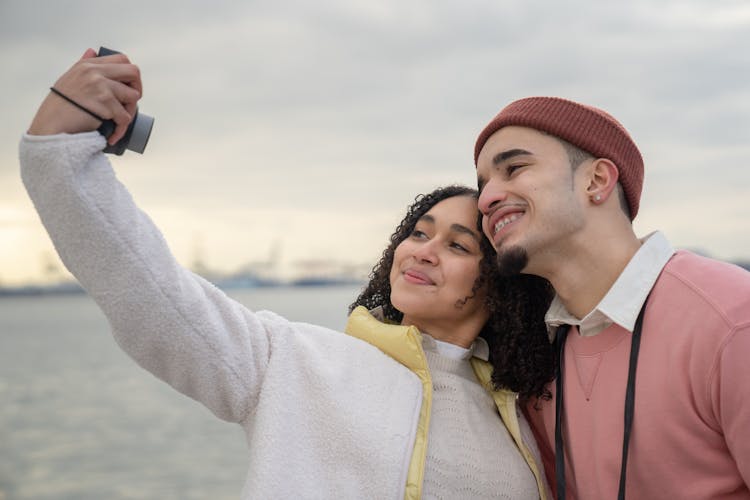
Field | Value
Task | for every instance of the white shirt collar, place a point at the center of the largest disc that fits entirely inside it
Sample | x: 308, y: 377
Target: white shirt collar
x: 622, y: 303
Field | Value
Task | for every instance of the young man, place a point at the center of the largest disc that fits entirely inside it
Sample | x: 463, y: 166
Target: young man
x: 560, y: 185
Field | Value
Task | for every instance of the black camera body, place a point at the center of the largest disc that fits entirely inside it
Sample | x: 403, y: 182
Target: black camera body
x: 139, y: 130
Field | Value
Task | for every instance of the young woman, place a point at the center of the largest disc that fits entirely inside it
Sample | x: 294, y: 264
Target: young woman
x: 401, y: 407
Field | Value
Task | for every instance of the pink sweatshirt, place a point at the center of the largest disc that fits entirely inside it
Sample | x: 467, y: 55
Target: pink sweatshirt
x: 691, y: 427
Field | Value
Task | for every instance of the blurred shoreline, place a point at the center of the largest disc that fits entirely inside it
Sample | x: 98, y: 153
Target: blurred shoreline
x: 240, y: 281
x: 233, y: 283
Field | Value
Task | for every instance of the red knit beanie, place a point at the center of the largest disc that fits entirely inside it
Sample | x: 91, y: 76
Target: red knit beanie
x: 586, y: 127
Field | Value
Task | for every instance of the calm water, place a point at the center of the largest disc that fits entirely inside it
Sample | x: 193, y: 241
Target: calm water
x: 79, y: 420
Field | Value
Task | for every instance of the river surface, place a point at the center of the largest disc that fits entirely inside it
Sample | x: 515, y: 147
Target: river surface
x: 80, y: 420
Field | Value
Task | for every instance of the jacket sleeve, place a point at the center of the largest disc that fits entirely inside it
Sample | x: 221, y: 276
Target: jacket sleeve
x: 172, y: 322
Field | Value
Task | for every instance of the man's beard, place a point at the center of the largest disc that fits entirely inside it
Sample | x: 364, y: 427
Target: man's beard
x: 512, y: 261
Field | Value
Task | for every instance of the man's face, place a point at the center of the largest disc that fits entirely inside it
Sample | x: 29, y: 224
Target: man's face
x: 532, y: 209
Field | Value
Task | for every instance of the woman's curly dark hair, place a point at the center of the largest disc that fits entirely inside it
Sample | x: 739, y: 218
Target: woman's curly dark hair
x: 522, y: 357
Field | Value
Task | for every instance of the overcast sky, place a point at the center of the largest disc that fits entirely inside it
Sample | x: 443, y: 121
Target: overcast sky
x: 308, y: 126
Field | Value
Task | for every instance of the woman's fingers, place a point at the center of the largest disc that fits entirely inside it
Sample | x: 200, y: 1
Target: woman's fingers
x: 121, y: 70
x: 88, y: 54
x: 118, y: 93
x: 124, y: 106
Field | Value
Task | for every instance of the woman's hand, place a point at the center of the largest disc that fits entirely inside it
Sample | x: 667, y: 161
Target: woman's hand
x: 109, y: 86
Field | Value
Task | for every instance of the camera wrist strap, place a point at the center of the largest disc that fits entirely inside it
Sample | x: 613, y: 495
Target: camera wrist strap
x: 560, y: 336
x: 79, y: 106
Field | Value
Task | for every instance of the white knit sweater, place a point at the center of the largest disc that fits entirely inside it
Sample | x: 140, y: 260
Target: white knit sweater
x: 470, y: 453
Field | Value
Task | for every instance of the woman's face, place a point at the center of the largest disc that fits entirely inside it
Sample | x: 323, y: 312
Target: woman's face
x: 436, y: 266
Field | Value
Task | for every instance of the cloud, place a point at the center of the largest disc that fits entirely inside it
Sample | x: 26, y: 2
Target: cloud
x: 347, y: 109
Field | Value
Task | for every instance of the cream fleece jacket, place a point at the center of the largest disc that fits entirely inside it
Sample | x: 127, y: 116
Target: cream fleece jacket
x: 317, y: 424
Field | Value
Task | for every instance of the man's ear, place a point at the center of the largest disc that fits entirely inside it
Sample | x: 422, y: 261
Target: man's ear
x: 602, y: 180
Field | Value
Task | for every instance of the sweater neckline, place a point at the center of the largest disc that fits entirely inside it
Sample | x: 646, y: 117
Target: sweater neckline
x: 460, y: 367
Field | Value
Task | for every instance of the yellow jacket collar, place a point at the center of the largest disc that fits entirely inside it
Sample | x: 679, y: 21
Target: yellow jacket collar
x: 402, y: 343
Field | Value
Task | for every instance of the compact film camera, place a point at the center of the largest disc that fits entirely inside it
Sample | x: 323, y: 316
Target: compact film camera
x: 139, y: 130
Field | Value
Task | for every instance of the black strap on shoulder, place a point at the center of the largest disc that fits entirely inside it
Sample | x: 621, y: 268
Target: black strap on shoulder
x: 635, y: 346
x: 560, y: 335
